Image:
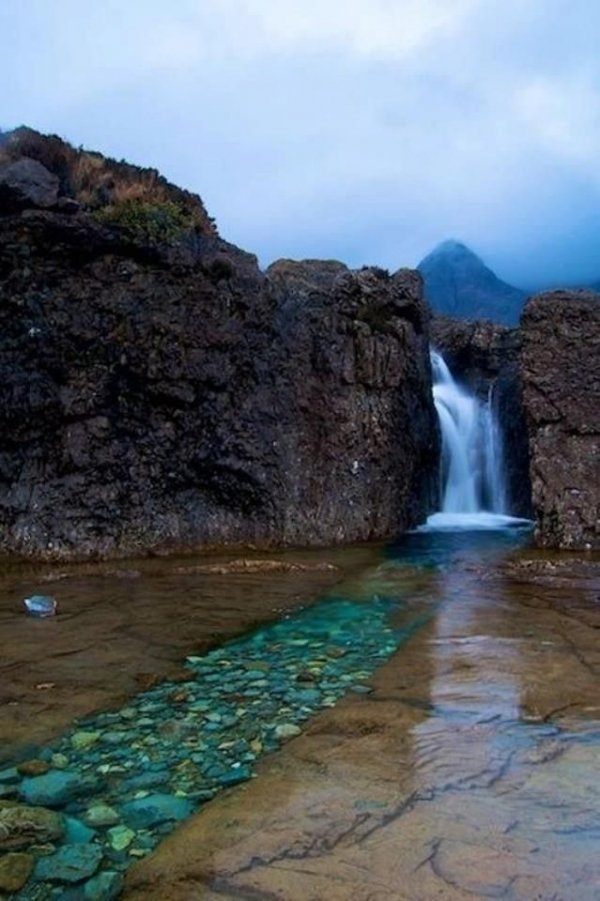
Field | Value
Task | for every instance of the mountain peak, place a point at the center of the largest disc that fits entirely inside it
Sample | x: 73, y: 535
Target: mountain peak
x: 451, y: 246
x: 458, y: 283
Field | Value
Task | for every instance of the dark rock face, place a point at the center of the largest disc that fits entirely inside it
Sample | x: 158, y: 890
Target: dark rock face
x: 158, y: 391
x: 561, y: 390
x: 458, y: 283
x: 26, y: 183
x: 484, y: 356
x: 134, y: 401
x: 358, y: 429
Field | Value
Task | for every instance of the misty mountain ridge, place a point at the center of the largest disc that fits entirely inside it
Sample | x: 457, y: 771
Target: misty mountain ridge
x: 459, y: 284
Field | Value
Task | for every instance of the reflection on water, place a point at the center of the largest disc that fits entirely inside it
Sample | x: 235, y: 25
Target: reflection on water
x: 465, y: 768
x: 469, y: 772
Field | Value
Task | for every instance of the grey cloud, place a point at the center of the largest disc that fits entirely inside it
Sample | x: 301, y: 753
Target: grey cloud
x: 311, y: 148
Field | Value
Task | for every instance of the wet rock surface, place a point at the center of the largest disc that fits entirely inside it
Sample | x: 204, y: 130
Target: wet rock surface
x: 158, y: 391
x: 561, y: 395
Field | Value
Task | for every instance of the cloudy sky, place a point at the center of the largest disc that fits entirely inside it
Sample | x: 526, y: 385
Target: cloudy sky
x: 365, y: 130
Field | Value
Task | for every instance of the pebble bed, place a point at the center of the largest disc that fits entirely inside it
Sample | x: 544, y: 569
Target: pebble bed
x: 117, y: 783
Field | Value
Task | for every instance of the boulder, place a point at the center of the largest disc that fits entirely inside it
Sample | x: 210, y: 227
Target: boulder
x: 25, y: 184
x: 561, y: 397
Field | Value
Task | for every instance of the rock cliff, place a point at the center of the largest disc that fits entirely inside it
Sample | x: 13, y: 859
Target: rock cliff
x: 561, y: 390
x: 358, y: 429
x: 158, y: 391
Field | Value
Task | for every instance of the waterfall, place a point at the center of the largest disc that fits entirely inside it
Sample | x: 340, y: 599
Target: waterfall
x: 473, y: 489
x: 494, y: 485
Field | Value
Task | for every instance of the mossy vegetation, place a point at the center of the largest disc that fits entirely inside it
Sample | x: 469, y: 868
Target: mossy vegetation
x: 138, y: 200
x: 148, y: 221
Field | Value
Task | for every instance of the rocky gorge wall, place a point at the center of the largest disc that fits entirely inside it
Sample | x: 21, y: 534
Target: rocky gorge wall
x: 561, y: 393
x: 158, y: 391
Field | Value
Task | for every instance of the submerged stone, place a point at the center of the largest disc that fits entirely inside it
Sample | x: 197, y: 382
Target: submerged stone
x: 22, y: 826
x: 83, y: 740
x: 10, y: 776
x: 60, y: 761
x: 120, y: 837
x: 155, y: 809
x: 115, y: 738
x: 104, y: 887
x: 101, y: 815
x: 287, y: 730
x: 77, y: 832
x: 57, y: 788
x: 71, y: 863
x: 145, y: 780
x: 308, y: 696
x: 15, y: 870
x: 235, y: 776
x: 33, y: 767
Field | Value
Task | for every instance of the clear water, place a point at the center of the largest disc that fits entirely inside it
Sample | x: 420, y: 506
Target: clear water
x: 173, y: 747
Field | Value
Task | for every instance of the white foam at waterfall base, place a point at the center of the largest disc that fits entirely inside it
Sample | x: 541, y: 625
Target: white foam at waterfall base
x: 467, y: 522
x: 474, y: 494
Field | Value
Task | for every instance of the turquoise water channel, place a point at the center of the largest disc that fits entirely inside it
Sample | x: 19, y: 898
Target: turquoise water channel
x: 118, y: 782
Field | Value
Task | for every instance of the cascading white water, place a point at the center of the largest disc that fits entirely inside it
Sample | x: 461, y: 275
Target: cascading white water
x: 472, y: 466
x: 495, y: 497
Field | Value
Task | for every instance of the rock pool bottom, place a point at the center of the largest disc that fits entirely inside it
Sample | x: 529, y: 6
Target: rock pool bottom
x: 106, y: 793
x: 469, y: 772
